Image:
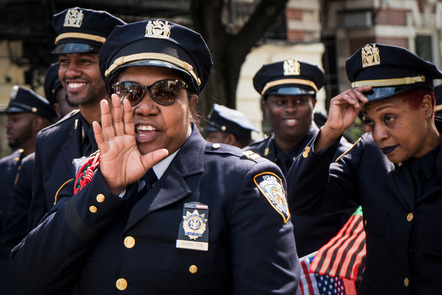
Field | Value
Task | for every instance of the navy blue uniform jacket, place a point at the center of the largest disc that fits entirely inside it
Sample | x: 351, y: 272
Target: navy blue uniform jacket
x: 403, y: 236
x: 311, y: 233
x: 9, y: 168
x: 251, y: 249
x: 55, y: 148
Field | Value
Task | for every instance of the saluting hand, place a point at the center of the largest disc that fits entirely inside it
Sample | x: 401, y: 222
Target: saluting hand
x: 121, y: 161
x: 344, y: 108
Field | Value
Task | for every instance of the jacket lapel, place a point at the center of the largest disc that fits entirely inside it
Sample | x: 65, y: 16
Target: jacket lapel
x: 172, y: 186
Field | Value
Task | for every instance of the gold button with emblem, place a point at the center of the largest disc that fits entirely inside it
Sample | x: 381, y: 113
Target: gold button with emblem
x: 306, y: 151
x: 216, y: 146
x: 121, y: 284
x: 34, y: 110
x: 406, y: 282
x: 410, y: 217
x: 100, y: 198
x: 129, y: 242
x: 193, y: 269
x: 93, y: 209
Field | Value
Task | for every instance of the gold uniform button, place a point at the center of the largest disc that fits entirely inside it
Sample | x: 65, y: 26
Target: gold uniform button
x: 129, y: 242
x: 406, y: 282
x: 193, y: 269
x: 307, y: 149
x: 410, y: 216
x: 365, y: 222
x: 100, y: 198
x: 305, y: 154
x: 121, y: 284
x: 93, y: 209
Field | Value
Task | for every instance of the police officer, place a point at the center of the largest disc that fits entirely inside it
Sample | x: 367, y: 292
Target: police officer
x: 229, y: 126
x: 27, y: 114
x: 55, y: 92
x: 207, y: 219
x: 80, y: 35
x: 393, y: 171
x: 288, y: 90
x: 16, y: 225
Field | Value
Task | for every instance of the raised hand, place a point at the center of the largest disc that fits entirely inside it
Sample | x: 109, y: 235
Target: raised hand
x: 121, y: 161
x: 344, y: 108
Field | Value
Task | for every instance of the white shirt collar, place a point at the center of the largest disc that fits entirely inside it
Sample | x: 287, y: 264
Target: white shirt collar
x: 162, y: 166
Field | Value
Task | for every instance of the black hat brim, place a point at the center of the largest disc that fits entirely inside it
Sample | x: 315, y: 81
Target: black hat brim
x: 291, y: 91
x: 66, y: 48
x: 377, y: 93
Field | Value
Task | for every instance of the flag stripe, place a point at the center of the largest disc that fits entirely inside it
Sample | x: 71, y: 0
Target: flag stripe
x: 318, y: 262
x: 330, y: 256
x: 307, y: 282
x: 352, y: 243
x: 350, y: 262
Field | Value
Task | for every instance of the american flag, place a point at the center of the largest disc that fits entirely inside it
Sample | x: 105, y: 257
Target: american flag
x: 315, y: 284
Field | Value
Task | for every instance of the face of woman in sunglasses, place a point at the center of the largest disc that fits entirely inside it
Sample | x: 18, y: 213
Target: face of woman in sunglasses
x: 159, y: 126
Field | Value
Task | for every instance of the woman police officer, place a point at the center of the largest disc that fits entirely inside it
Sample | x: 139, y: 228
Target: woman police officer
x: 212, y: 221
x: 394, y: 171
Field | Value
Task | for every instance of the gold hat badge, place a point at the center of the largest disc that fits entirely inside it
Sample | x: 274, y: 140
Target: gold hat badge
x: 370, y: 56
x: 73, y: 18
x: 291, y: 67
x: 158, y: 29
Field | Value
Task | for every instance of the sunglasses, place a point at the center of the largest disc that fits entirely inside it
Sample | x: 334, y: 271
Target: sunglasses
x: 164, y: 92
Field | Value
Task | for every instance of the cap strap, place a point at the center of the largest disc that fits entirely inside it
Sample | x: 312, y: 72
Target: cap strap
x: 389, y: 82
x: 153, y: 56
x: 80, y: 36
x: 289, y: 81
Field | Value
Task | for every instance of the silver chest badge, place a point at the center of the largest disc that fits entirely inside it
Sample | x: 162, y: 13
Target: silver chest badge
x: 194, y: 232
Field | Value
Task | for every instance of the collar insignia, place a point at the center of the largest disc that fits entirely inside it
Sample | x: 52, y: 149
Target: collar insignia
x: 370, y: 56
x: 157, y: 29
x: 73, y: 18
x: 291, y: 67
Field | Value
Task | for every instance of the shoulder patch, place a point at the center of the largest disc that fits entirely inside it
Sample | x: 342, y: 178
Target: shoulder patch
x: 271, y: 187
x: 251, y: 155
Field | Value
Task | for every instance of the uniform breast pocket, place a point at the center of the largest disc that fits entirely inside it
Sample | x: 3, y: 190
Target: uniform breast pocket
x: 192, y: 264
x: 375, y: 219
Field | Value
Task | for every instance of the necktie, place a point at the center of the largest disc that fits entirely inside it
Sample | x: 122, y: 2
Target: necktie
x: 143, y: 187
x: 149, y: 180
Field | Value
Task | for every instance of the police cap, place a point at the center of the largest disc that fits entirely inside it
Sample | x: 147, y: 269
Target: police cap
x: 82, y: 30
x: 390, y: 70
x: 52, y: 83
x: 24, y: 100
x: 158, y: 43
x: 224, y: 119
x: 289, y: 77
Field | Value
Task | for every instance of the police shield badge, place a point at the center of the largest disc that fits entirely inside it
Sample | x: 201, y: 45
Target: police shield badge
x: 194, y: 232
x: 271, y: 187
